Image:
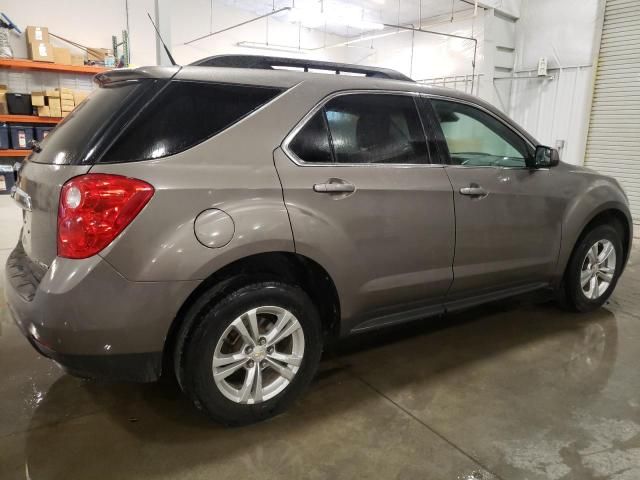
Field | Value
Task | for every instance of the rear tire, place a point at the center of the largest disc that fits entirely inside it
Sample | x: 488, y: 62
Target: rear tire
x: 274, y: 334
x: 593, y: 270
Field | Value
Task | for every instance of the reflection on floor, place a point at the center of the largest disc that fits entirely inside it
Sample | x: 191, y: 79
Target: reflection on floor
x: 517, y: 390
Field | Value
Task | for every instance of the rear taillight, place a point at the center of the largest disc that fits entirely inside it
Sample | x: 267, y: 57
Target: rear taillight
x: 94, y: 209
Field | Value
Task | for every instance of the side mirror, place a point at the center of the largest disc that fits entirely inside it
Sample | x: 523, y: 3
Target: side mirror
x: 545, y: 157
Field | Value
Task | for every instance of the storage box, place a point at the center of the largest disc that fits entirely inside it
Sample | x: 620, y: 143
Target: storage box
x: 21, y: 136
x: 77, y: 59
x: 42, y: 132
x: 79, y: 96
x: 3, y: 100
x: 37, y: 34
x: 68, y: 104
x: 19, y: 103
x: 54, y: 103
x: 40, y: 51
x: 37, y: 99
x: 44, y: 111
x: 4, y: 136
x: 66, y: 97
x: 7, y: 179
x: 62, y: 56
x: 52, y: 93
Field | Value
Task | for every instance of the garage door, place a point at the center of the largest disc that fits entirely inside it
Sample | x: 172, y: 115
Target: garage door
x: 613, y: 144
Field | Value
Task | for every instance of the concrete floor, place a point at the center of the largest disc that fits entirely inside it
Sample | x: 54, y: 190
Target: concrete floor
x: 518, y: 390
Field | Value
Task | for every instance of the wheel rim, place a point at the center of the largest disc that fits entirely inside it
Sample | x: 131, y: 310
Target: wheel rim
x: 598, y: 269
x: 258, y: 355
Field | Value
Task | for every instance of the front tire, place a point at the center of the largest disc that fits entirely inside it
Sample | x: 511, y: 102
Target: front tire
x: 593, y: 270
x: 252, y: 353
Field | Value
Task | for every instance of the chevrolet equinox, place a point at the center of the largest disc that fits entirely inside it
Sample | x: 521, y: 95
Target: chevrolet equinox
x: 225, y: 219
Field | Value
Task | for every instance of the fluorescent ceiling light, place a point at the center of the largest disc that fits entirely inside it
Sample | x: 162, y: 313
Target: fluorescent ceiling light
x: 311, y: 16
x: 273, y: 47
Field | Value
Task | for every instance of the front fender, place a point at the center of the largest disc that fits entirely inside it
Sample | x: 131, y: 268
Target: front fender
x: 600, y: 194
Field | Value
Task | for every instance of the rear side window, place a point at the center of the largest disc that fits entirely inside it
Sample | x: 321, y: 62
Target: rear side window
x: 185, y: 114
x: 80, y: 130
x: 364, y: 129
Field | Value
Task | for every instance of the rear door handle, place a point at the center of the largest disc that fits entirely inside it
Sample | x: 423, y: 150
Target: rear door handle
x: 473, y: 191
x: 334, y: 187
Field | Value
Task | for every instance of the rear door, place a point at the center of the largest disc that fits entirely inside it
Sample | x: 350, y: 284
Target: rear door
x: 367, y: 204
x: 508, y: 222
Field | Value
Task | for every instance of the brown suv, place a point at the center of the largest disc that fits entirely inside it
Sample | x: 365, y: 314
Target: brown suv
x: 227, y: 218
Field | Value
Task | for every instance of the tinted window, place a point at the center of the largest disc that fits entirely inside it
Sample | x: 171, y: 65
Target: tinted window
x: 375, y: 128
x: 185, y: 114
x: 78, y: 132
x: 476, y: 138
x: 311, y: 144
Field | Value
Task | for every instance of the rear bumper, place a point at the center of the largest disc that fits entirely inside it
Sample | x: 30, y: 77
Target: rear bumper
x: 90, y: 319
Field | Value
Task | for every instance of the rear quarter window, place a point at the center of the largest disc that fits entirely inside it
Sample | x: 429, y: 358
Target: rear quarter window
x: 183, y: 115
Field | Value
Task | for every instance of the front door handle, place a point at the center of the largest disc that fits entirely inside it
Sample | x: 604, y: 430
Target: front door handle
x: 473, y: 190
x: 333, y: 186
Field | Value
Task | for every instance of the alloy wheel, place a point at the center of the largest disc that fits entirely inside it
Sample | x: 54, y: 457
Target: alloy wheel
x: 258, y: 355
x: 598, y: 269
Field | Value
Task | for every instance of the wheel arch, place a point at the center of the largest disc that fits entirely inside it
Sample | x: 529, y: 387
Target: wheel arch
x: 609, y: 212
x: 287, y: 267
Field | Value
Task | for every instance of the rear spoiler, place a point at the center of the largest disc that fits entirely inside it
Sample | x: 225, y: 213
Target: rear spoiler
x: 272, y: 63
x: 130, y: 74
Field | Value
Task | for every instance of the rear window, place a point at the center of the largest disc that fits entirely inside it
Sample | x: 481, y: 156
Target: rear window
x: 72, y: 139
x: 183, y: 115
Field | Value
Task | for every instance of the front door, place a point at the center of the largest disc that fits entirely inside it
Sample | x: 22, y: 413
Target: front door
x: 366, y: 204
x: 508, y: 224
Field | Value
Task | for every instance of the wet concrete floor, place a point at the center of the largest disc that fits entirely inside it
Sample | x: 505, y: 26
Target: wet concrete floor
x: 515, y: 390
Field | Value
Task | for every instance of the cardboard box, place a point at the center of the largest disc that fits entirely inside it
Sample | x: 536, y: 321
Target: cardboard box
x: 40, y: 51
x: 66, y: 96
x: 97, y: 54
x: 54, y: 93
x: 44, y: 111
x: 3, y: 100
x: 62, y: 56
x: 37, y: 34
x: 54, y: 103
x: 79, y: 96
x: 68, y: 104
x: 37, y: 99
x: 67, y: 109
x: 65, y: 90
x: 77, y: 59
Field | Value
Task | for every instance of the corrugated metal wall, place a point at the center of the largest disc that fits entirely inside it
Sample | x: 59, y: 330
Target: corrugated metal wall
x: 613, y: 143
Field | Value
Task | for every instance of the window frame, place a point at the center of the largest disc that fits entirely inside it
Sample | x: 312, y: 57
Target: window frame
x: 416, y: 96
x: 442, y: 140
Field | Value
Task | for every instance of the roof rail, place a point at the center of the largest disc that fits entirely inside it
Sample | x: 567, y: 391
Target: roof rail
x: 272, y: 63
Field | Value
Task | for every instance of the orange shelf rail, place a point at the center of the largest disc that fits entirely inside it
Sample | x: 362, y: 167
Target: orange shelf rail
x: 28, y: 119
x: 21, y: 64
x: 14, y: 153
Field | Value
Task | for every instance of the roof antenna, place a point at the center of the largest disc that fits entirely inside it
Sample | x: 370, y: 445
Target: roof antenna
x: 166, y: 49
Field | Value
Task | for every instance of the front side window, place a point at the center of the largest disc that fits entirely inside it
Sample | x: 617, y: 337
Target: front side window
x: 364, y: 129
x: 476, y: 138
